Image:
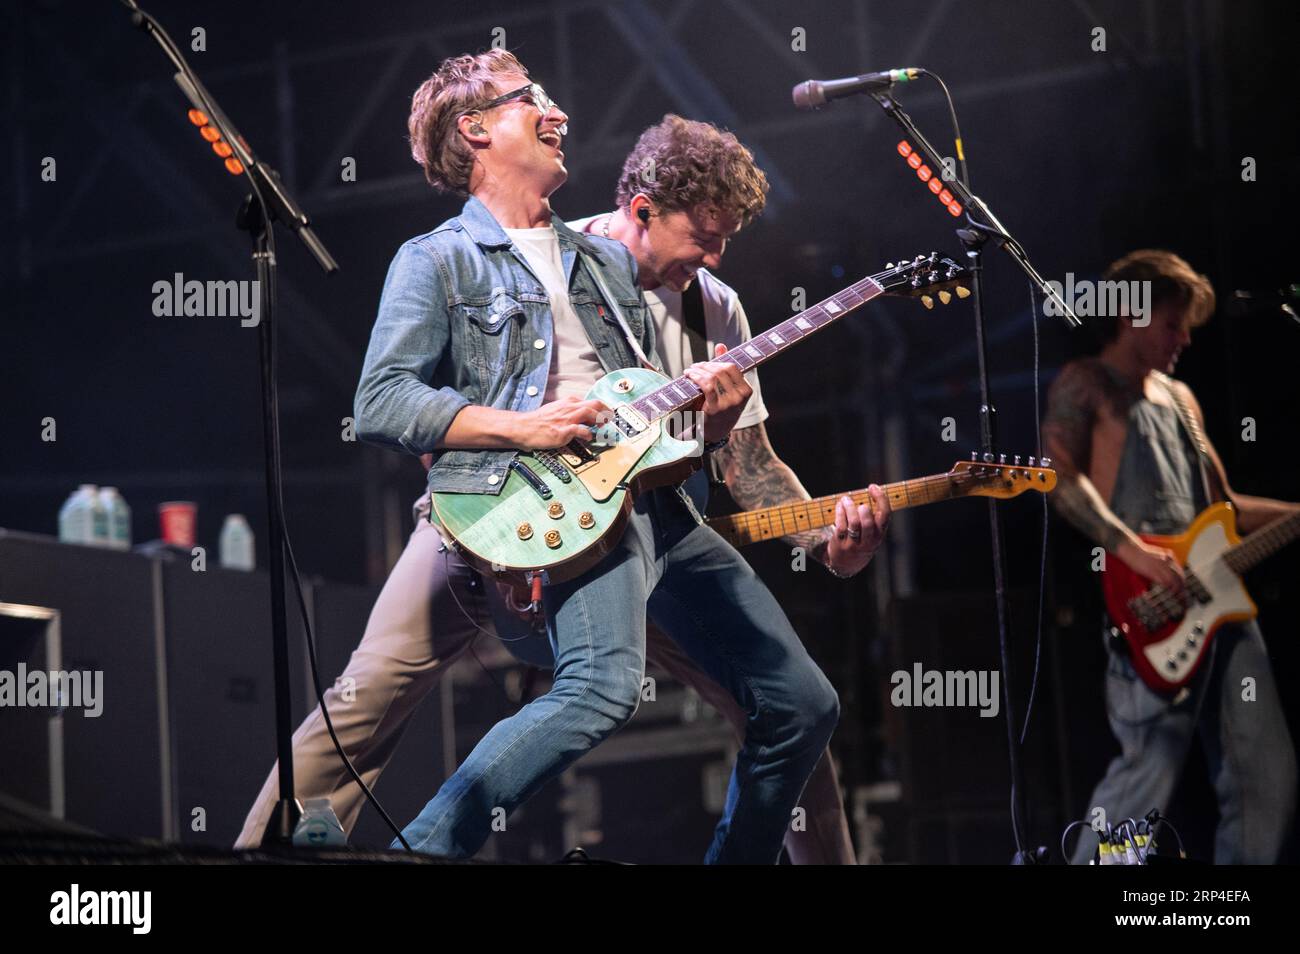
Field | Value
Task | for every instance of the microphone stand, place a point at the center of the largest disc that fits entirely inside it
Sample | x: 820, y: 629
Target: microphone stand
x: 267, y: 203
x: 974, y: 237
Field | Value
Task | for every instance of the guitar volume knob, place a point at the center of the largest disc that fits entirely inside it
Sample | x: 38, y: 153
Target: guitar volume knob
x: 586, y: 520
x: 552, y: 538
x: 524, y: 531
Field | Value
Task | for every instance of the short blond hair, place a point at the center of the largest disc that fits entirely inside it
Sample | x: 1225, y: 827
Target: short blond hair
x: 682, y: 163
x: 455, y: 87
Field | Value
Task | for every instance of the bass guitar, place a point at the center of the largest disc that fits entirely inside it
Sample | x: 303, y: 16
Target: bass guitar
x: 1168, y: 636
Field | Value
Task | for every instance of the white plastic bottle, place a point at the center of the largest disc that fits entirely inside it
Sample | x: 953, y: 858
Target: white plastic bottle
x: 77, y: 516
x: 119, y: 518
x: 236, y: 544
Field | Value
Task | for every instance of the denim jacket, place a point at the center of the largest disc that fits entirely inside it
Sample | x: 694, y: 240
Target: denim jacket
x: 463, y: 320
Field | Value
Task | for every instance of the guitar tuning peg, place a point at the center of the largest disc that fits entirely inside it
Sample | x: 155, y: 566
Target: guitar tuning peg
x: 974, y: 455
x: 1045, y: 462
x: 889, y: 265
x: 1031, y: 462
x: 919, y: 258
x: 1017, y: 460
x: 1002, y: 458
x: 963, y: 291
x: 988, y: 458
x: 927, y: 301
x: 945, y: 297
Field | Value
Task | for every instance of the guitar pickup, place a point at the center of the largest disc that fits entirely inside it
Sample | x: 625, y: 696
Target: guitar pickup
x: 576, y: 454
x: 629, y: 422
x: 532, y: 479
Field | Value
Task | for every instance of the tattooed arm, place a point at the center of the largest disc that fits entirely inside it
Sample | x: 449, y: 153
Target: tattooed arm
x: 757, y: 478
x: 1073, y: 402
x: 1075, y: 399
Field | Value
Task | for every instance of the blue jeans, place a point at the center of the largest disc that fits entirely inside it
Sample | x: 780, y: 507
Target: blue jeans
x: 700, y: 591
x: 1247, y: 745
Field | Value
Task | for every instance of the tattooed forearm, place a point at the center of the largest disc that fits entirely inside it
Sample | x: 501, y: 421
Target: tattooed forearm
x: 1077, y: 500
x: 756, y: 478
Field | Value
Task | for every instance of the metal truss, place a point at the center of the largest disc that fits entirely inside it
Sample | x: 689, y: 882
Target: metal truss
x: 655, y: 31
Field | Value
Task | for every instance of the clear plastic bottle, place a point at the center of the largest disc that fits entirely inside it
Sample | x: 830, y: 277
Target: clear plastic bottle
x: 99, y: 521
x: 236, y: 544
x: 119, y: 518
x: 77, y: 516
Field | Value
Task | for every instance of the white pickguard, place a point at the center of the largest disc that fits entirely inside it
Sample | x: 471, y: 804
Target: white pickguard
x: 1175, y: 655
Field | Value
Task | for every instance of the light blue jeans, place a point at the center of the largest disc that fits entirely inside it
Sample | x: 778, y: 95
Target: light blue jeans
x: 1247, y: 745
x: 701, y: 592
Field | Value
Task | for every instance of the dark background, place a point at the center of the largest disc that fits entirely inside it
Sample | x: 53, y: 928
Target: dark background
x: 1084, y: 155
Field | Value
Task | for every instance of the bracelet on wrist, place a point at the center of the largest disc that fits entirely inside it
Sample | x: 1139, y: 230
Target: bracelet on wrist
x: 836, y: 573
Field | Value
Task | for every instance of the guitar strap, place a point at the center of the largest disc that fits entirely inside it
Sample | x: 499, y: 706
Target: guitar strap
x: 693, y: 313
x: 1194, y: 431
x: 594, y: 271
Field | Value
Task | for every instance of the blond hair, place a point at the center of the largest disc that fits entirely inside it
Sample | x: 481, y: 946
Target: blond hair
x: 456, y: 86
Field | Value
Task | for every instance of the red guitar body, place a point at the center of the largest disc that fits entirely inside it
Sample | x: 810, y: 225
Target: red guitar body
x: 1167, y: 641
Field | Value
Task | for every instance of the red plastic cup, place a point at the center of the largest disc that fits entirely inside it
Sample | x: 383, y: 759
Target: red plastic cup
x: 177, y: 518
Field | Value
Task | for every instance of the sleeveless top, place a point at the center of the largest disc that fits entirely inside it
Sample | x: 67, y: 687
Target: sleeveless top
x: 1162, y: 483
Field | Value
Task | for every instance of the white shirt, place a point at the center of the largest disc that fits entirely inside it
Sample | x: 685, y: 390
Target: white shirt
x: 678, y: 347
x: 574, y: 365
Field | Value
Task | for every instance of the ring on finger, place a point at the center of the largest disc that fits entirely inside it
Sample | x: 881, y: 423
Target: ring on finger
x: 855, y: 534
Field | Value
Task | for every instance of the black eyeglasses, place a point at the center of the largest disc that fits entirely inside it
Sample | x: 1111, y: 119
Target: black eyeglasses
x: 539, y: 97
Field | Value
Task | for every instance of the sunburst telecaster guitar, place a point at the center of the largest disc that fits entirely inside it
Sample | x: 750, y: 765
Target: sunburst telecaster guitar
x: 560, y: 512
x: 1169, y: 636
x: 968, y: 478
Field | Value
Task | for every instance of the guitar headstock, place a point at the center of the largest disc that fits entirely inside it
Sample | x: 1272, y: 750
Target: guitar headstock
x: 987, y: 477
x: 926, y: 277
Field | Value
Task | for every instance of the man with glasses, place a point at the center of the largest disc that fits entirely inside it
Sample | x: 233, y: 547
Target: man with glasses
x: 491, y: 329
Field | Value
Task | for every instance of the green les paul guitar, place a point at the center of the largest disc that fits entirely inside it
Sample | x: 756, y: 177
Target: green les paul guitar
x: 560, y: 512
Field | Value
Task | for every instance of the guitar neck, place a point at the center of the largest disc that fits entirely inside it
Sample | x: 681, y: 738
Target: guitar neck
x: 797, y: 516
x: 682, y: 392
x: 1263, y: 543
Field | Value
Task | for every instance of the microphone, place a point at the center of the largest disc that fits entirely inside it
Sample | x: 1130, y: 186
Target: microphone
x: 814, y: 94
x: 1285, y: 300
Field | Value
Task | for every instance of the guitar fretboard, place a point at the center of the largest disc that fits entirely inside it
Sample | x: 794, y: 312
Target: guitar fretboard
x: 1264, y: 542
x: 753, y: 526
x: 680, y: 392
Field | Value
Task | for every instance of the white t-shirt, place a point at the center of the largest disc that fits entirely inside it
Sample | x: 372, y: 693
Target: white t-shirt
x: 574, y: 365
x: 678, y: 347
